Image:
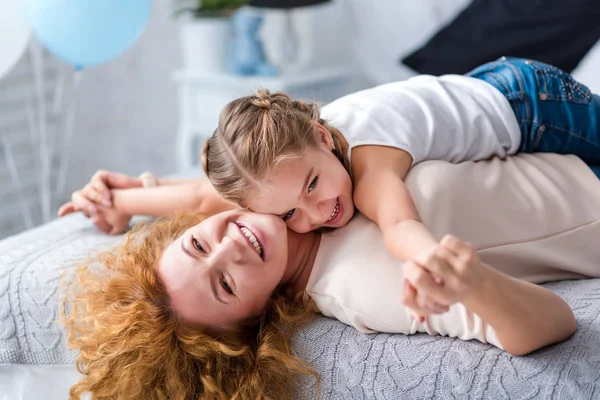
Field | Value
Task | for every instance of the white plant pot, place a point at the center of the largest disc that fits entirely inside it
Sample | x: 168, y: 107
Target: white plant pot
x: 204, y: 44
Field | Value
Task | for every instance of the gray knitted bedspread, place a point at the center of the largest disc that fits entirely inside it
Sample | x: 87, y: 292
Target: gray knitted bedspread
x: 352, y: 365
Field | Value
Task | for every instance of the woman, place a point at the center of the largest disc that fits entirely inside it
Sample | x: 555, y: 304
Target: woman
x: 207, y: 306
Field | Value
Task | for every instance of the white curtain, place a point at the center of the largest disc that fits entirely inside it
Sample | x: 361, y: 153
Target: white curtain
x: 383, y: 31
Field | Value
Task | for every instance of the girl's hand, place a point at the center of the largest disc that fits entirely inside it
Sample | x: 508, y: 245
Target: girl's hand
x: 455, y: 263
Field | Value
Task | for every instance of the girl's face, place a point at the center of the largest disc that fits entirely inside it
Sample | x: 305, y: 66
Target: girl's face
x: 224, y: 270
x: 308, y: 192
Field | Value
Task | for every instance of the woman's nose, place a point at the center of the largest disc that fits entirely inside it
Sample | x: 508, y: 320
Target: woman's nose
x: 230, y: 249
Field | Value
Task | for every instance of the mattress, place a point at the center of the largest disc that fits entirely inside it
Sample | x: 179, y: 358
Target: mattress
x: 35, y: 362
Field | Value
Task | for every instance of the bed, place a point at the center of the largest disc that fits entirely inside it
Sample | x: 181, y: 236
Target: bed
x: 35, y: 362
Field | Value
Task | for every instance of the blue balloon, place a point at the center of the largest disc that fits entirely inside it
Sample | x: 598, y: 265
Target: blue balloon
x: 87, y: 32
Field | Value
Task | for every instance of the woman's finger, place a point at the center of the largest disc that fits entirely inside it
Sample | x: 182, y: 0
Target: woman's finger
x: 67, y: 208
x: 83, y: 204
x: 93, y: 194
x: 437, y: 308
x: 101, y: 224
x: 102, y: 193
x: 116, y: 180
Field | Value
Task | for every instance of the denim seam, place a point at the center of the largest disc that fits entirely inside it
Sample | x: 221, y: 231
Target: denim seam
x: 497, y: 79
x: 570, y: 133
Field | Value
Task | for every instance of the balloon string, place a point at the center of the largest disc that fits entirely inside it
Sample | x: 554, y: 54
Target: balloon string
x: 67, y: 143
x: 37, y: 58
x: 16, y: 180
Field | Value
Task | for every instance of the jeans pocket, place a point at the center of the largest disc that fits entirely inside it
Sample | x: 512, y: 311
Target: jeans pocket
x: 556, y: 84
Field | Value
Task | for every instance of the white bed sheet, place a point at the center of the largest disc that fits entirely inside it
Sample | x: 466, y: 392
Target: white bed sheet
x: 36, y: 382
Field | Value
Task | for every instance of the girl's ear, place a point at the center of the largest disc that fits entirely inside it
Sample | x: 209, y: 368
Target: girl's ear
x: 323, y: 135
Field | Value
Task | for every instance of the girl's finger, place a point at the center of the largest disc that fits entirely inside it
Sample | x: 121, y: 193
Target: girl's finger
x: 420, y: 278
x: 409, y: 299
x: 456, y: 246
x: 438, y: 264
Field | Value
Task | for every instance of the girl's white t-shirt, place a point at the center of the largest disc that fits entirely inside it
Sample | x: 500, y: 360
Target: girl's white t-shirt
x: 451, y: 118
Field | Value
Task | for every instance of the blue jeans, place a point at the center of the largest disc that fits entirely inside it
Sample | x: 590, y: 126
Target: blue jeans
x: 556, y: 113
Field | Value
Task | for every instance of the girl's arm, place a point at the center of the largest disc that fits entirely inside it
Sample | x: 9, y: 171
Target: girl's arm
x: 197, y: 196
x: 380, y: 194
x: 98, y: 190
x: 524, y: 316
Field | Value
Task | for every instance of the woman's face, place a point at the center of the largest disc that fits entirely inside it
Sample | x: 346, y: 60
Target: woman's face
x: 224, y: 270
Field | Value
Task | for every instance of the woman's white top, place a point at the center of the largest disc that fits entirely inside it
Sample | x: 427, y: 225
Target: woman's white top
x: 452, y: 118
x: 535, y: 217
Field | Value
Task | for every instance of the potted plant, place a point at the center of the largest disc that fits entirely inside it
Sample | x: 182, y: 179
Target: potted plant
x: 205, y: 32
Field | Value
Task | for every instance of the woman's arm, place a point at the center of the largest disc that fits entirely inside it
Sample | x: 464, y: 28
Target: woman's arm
x: 524, y: 316
x: 380, y: 194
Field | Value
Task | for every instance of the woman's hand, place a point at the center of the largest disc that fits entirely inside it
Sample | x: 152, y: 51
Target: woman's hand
x: 107, y: 219
x: 438, y: 278
x: 95, y: 201
x: 97, y: 191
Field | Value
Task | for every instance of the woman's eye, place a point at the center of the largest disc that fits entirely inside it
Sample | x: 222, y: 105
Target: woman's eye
x: 225, y: 285
x: 313, y: 184
x: 289, y: 214
x: 198, y: 246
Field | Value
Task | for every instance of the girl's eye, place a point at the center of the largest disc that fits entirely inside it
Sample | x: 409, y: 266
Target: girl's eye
x: 225, y: 285
x: 289, y: 214
x: 313, y: 184
x: 198, y: 246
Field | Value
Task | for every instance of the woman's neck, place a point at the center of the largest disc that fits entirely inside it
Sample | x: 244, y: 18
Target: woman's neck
x: 302, y: 253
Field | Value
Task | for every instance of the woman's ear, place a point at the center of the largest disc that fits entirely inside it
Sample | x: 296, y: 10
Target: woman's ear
x: 323, y: 135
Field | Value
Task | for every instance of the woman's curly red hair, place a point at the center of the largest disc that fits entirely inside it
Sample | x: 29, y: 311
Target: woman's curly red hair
x: 132, y: 345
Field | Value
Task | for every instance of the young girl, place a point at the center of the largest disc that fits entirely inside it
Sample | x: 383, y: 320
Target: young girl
x: 271, y: 154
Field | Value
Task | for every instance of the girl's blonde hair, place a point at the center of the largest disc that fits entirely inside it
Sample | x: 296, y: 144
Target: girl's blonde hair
x: 133, y: 346
x: 254, y: 134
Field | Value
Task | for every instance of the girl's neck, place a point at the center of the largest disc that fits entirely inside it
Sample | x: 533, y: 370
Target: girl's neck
x: 302, y: 253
